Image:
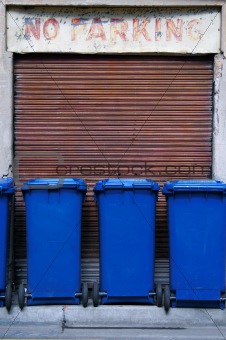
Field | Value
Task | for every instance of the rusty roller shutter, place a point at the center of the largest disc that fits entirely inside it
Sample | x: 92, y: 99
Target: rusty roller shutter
x: 110, y: 116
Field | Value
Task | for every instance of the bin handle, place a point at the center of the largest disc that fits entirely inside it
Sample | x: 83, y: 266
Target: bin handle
x: 144, y: 185
x: 39, y: 186
x: 105, y: 186
x: 195, y: 188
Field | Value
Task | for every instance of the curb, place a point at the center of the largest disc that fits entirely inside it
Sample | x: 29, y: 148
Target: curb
x: 115, y: 316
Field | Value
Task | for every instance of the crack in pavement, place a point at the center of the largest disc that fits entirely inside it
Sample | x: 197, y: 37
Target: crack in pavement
x: 63, y: 324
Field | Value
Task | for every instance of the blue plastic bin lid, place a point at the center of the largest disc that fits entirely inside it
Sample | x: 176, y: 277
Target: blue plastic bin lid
x: 54, y: 183
x: 193, y: 185
x: 7, y: 185
x: 126, y: 183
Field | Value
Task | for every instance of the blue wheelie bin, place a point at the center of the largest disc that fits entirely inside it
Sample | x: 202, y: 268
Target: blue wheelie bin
x: 126, y: 209
x: 7, y: 189
x: 53, y: 230
x: 197, y: 231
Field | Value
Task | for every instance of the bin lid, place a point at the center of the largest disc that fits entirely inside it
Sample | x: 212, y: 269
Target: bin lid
x: 7, y: 185
x: 193, y: 185
x: 126, y: 183
x: 54, y: 183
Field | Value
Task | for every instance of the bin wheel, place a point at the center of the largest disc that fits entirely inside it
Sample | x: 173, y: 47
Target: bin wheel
x: 167, y: 298
x: 95, y: 294
x: 85, y: 294
x: 21, y: 296
x: 8, y: 296
x: 159, y: 295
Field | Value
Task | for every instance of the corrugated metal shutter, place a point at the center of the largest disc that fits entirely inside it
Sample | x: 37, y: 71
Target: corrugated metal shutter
x: 107, y: 116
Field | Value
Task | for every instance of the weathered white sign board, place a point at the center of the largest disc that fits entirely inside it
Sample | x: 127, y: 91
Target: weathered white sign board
x: 113, y: 30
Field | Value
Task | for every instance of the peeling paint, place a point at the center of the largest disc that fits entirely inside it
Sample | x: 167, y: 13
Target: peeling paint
x: 104, y: 30
x: 9, y: 172
x: 218, y: 65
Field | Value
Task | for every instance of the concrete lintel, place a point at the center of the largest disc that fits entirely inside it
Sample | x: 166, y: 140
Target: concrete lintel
x: 116, y: 3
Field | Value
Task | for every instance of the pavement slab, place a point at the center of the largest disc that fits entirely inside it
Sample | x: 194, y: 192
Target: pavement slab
x: 111, y: 322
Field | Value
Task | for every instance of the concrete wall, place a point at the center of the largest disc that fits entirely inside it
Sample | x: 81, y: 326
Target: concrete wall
x: 6, y: 100
x: 6, y: 109
x: 219, y: 121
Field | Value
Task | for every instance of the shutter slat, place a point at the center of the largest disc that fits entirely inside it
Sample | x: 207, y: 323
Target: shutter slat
x: 107, y: 116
